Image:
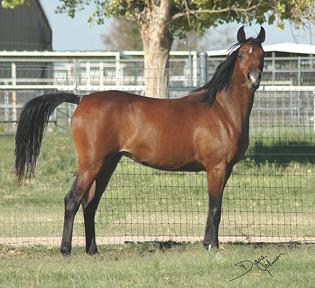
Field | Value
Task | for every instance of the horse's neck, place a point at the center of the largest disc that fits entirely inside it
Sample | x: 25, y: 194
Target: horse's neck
x: 238, y: 103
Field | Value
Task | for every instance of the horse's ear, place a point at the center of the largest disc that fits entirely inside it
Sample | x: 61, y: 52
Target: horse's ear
x: 261, y: 37
x: 241, y: 35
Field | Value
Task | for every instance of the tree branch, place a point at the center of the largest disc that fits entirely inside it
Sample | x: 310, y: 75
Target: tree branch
x: 196, y: 13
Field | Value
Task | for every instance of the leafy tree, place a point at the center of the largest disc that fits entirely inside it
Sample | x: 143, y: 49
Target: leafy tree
x: 124, y: 35
x: 160, y: 20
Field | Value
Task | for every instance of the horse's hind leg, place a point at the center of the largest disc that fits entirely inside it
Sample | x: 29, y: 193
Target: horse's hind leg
x: 91, y: 201
x: 72, y: 202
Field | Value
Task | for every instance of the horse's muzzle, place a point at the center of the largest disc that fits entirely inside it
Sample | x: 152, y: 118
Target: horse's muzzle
x: 253, y: 79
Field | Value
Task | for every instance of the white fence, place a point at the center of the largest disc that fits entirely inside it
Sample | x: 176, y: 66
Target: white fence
x: 24, y: 75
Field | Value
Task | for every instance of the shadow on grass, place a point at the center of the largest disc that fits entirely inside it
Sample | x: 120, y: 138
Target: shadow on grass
x: 283, y: 152
x: 152, y: 246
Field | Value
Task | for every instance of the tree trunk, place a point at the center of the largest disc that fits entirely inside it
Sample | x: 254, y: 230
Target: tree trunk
x: 157, y: 41
x: 156, y: 66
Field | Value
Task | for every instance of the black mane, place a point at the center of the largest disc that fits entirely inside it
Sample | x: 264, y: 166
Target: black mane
x: 223, y: 74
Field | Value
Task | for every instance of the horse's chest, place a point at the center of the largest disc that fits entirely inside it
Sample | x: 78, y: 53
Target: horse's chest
x: 238, y: 148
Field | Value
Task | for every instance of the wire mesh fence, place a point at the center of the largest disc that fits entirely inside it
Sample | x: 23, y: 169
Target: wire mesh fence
x: 269, y: 197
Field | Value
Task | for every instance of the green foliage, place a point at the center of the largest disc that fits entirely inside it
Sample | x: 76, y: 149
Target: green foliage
x: 193, y: 15
x: 13, y: 3
x: 199, y: 15
x: 125, y: 36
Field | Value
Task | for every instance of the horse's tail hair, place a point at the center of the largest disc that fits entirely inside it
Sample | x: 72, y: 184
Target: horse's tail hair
x: 30, y: 128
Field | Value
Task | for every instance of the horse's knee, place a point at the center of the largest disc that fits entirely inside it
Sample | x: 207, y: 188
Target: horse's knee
x: 73, y: 199
x: 70, y: 204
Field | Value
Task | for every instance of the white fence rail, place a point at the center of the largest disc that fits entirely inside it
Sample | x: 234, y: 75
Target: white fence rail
x: 24, y: 75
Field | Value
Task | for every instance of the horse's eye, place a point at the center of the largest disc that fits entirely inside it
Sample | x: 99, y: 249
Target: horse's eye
x: 240, y: 55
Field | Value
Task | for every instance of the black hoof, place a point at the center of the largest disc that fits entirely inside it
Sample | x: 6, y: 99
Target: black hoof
x: 92, y: 252
x: 65, y: 251
x: 209, y: 246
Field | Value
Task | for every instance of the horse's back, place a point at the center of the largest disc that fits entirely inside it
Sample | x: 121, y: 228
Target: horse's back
x: 121, y: 104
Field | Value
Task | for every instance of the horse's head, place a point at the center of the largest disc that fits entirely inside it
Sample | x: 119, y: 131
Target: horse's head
x: 251, y: 58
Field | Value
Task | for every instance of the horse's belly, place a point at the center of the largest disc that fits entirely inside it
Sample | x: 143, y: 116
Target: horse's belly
x: 165, y: 161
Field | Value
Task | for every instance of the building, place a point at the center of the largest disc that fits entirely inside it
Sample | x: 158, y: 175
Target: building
x: 25, y: 28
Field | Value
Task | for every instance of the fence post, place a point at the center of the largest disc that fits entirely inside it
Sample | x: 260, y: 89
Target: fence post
x: 195, y: 69
x: 203, y: 68
x: 118, y: 70
x: 13, y: 76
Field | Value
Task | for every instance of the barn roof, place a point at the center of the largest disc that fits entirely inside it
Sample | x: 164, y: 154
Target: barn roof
x: 291, y: 48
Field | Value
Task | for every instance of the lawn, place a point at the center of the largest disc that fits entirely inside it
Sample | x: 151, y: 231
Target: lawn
x: 160, y: 264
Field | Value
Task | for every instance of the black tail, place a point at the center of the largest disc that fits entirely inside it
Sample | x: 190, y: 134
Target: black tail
x: 31, y: 125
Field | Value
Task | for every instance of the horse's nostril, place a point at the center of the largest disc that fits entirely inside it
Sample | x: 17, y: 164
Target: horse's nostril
x: 250, y: 77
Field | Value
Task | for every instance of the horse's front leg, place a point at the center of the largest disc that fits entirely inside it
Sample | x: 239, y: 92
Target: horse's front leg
x: 217, y: 178
x: 211, y: 238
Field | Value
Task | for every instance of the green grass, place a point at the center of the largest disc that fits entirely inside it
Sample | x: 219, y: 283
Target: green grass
x: 262, y: 198
x: 158, y: 265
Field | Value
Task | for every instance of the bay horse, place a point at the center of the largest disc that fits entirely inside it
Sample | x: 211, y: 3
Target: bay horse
x: 207, y: 130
